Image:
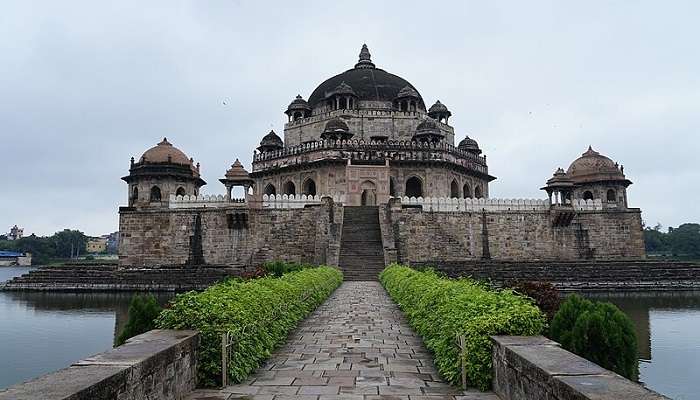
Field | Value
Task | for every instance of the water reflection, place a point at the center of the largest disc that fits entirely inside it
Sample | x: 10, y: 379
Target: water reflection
x: 666, y: 324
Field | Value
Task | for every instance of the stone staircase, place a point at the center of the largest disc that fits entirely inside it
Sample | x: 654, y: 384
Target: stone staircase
x: 78, y: 277
x: 361, y: 250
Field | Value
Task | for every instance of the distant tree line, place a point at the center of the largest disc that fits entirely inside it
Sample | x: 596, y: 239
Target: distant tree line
x: 683, y: 241
x: 61, y: 245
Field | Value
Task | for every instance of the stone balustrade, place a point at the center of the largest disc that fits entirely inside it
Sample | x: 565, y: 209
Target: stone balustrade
x: 588, y: 205
x: 369, y: 150
x: 297, y: 201
x: 203, y: 201
x: 442, y: 204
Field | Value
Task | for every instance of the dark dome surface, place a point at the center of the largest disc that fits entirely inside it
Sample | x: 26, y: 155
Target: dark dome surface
x: 368, y: 83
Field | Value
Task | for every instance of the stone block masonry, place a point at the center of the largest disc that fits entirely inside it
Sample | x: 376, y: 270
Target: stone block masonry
x: 157, y: 365
x: 536, y: 368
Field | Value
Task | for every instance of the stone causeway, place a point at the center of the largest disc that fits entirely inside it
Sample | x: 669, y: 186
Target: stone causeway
x: 355, y: 346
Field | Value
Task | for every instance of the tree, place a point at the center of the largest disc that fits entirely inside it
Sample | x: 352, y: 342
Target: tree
x: 143, y: 310
x: 685, y: 240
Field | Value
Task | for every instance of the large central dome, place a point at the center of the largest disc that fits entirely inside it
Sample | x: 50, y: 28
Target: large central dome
x: 368, y: 83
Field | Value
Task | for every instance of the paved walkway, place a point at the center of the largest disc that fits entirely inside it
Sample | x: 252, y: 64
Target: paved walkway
x: 356, y: 346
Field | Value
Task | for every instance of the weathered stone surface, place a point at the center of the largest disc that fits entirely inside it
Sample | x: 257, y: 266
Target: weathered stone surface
x: 158, y: 365
x: 535, y: 368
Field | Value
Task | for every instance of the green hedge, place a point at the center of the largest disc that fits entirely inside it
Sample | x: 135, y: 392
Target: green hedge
x: 439, y: 309
x: 259, y: 312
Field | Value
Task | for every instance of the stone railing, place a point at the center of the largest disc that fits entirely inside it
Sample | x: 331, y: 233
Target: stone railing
x: 587, y: 205
x: 442, y: 204
x: 368, y: 150
x: 536, y: 368
x: 158, y: 365
x: 298, y: 201
x: 355, y: 113
x: 203, y: 201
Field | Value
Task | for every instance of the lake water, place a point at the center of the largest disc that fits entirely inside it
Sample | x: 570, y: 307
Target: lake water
x: 42, y: 332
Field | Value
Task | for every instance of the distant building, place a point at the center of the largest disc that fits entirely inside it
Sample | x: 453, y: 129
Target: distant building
x: 16, y: 233
x: 96, y: 245
x: 9, y: 258
x: 112, y: 242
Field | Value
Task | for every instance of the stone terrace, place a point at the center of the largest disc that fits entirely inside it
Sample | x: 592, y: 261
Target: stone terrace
x: 356, y: 346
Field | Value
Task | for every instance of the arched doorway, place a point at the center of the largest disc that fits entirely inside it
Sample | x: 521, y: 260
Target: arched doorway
x: 588, y: 195
x: 466, y: 191
x: 392, y: 187
x: 290, y: 188
x: 477, y: 192
x: 155, y: 194
x: 414, y: 187
x: 369, y: 193
x: 612, y: 197
x: 309, y: 187
x: 454, y: 189
x: 180, y: 191
x: 270, y: 190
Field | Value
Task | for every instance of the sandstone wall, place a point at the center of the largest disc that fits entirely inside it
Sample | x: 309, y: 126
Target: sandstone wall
x: 229, y: 236
x: 420, y: 236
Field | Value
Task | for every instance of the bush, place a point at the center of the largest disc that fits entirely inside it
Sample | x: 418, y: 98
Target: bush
x: 143, y: 310
x: 279, y: 268
x: 598, y: 332
x: 439, y: 309
x: 546, y: 296
x: 259, y: 313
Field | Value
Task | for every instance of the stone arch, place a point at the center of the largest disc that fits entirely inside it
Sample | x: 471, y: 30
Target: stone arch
x: 466, y: 191
x: 155, y: 194
x: 369, y: 193
x: 588, y: 195
x: 477, y: 192
x: 180, y: 191
x: 290, y: 188
x: 135, y: 194
x: 454, y: 189
x: 392, y: 187
x: 611, y: 195
x: 414, y: 187
x: 270, y: 189
x: 309, y: 187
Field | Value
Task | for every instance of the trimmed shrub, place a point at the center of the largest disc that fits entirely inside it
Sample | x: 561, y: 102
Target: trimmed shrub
x: 598, y: 332
x: 546, y: 296
x: 143, y: 311
x: 439, y: 309
x: 259, y: 313
x: 279, y: 268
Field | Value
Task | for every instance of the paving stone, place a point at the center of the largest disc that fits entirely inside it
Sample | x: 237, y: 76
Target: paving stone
x: 356, y: 346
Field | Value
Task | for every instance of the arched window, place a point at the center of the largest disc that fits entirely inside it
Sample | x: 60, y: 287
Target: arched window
x: 135, y: 194
x: 297, y: 115
x: 309, y: 187
x: 466, y: 191
x: 289, y: 188
x: 414, y: 187
x: 454, y: 189
x: 477, y: 192
x: 587, y: 195
x: 270, y: 189
x: 180, y: 191
x: 612, y: 197
x: 155, y: 193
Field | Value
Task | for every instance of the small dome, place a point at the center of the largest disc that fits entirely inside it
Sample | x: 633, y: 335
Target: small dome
x: 559, y: 179
x: 298, y: 104
x: 343, y: 88
x: 407, y: 91
x: 237, y: 172
x: 336, y: 125
x: 164, y: 152
x: 428, y: 131
x: 438, y: 107
x: 592, y: 166
x: 470, y: 145
x: 271, y: 139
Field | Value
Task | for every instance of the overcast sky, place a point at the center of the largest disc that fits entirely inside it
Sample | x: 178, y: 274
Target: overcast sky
x: 85, y: 85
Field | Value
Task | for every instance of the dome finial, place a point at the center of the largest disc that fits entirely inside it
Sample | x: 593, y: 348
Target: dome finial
x: 365, y: 58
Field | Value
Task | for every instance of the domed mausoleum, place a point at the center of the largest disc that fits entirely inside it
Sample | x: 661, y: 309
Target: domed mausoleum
x: 366, y: 134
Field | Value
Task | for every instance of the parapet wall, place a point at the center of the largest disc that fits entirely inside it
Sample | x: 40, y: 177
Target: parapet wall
x: 536, y: 368
x: 157, y: 365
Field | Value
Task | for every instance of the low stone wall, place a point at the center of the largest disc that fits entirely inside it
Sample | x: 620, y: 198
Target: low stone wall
x: 536, y: 368
x: 580, y: 275
x: 157, y: 365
